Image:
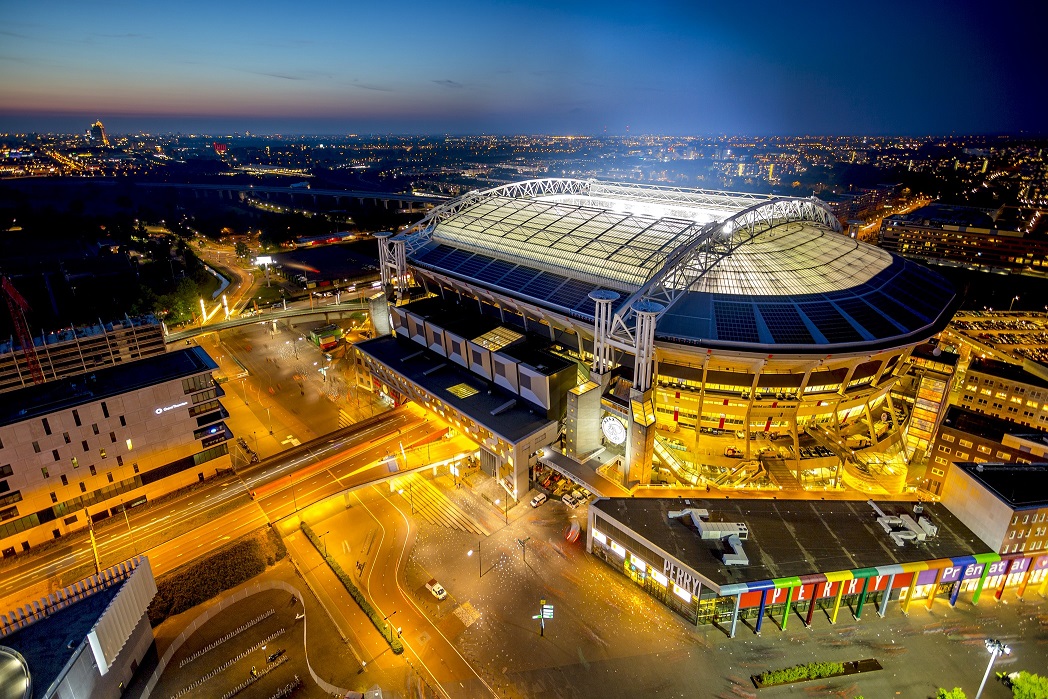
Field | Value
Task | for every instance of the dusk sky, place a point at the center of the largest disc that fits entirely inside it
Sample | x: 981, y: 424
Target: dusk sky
x: 753, y: 68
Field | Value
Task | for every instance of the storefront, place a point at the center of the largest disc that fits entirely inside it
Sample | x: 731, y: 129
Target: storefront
x: 677, y: 552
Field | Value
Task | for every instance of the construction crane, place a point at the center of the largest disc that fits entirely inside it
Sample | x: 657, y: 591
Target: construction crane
x: 17, y: 306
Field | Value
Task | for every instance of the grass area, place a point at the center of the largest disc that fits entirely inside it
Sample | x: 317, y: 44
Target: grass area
x: 268, y: 294
x: 384, y: 628
x: 199, y: 581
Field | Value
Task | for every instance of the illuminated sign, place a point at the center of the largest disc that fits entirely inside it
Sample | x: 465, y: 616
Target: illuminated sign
x: 263, y: 260
x: 618, y: 549
x: 613, y: 429
x: 159, y: 411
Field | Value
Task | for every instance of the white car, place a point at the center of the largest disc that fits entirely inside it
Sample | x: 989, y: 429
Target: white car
x: 538, y: 500
x: 437, y: 589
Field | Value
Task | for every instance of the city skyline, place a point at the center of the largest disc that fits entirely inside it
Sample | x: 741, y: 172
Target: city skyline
x: 523, y: 68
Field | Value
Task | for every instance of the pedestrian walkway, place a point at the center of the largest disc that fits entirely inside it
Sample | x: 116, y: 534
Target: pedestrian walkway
x: 429, y: 503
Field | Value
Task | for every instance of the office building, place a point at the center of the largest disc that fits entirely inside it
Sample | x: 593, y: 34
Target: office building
x: 1006, y: 504
x: 89, y: 445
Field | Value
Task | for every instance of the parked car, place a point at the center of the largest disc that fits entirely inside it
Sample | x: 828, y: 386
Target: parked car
x: 579, y: 496
x: 538, y: 499
x: 569, y: 500
x: 437, y: 589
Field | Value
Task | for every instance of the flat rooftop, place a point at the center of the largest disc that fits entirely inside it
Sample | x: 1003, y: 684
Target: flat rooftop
x: 987, y: 426
x: 328, y: 262
x: 62, y: 394
x: 790, y: 537
x: 1004, y: 370
x: 473, y: 397
x: 48, y: 644
x: 1020, y: 486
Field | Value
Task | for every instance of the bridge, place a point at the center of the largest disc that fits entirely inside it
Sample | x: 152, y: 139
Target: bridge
x: 326, y: 314
x: 242, y: 191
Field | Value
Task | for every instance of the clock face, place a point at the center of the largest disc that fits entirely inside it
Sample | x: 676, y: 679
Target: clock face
x: 613, y: 429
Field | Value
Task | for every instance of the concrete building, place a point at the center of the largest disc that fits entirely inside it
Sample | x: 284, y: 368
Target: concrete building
x: 85, y: 640
x: 967, y: 436
x: 963, y: 236
x: 89, y: 445
x: 77, y: 350
x: 687, y: 312
x: 1008, y: 391
x: 1005, y: 504
x: 719, y: 561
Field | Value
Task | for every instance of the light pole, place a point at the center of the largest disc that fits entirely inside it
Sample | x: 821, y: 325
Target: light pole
x: 480, y: 560
x: 524, y: 547
x: 203, y: 313
x: 996, y: 648
x: 129, y: 530
x: 294, y: 497
x: 389, y: 627
x: 1014, y: 299
x: 324, y: 542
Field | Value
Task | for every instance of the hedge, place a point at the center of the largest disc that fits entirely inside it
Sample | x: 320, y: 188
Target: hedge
x: 197, y: 582
x: 808, y: 671
x: 358, y: 596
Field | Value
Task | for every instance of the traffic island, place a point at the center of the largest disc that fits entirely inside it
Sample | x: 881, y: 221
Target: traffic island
x: 813, y: 671
x: 383, y: 628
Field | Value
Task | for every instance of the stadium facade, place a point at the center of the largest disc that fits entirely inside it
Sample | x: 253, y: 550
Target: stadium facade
x: 685, y: 313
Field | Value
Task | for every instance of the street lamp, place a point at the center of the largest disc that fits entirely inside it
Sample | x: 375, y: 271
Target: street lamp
x: 996, y: 648
x: 324, y: 542
x: 389, y: 626
x: 480, y: 560
x: 1014, y: 299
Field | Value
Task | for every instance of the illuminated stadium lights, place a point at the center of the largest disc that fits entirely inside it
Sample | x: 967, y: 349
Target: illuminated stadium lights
x: 699, y: 313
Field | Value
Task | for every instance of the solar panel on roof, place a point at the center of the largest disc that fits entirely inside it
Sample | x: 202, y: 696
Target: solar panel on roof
x: 834, y: 327
x: 517, y: 278
x: 572, y: 292
x: 543, y: 286
x: 867, y: 316
x: 735, y: 322
x: 455, y: 258
x: 435, y: 255
x: 785, y: 324
x: 473, y: 265
x: 898, y: 312
x: 495, y: 270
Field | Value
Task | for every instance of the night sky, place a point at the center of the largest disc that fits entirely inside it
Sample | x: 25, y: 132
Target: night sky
x: 752, y: 68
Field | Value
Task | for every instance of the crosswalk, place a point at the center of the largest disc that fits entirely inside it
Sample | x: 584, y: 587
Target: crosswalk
x: 427, y: 502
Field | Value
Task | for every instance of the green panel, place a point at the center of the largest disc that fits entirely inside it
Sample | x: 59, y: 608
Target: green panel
x: 786, y: 582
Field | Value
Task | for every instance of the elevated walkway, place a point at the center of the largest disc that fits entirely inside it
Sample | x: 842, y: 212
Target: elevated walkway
x: 780, y: 474
x: 584, y: 474
x: 669, y: 458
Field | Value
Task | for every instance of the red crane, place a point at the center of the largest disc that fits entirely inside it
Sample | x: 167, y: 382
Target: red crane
x: 17, y: 307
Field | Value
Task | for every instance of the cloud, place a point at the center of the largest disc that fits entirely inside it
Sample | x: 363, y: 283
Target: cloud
x: 368, y: 86
x: 449, y: 83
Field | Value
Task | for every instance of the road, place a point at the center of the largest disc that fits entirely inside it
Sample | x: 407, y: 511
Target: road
x: 333, y: 462
x: 375, y: 530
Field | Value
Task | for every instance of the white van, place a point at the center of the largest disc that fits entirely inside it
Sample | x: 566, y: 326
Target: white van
x: 538, y: 500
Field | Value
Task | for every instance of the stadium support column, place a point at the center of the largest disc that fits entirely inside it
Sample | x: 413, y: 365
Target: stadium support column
x: 393, y: 265
x: 582, y: 423
x: 641, y: 441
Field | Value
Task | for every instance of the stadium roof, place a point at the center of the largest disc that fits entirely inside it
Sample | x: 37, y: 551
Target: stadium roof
x: 730, y: 268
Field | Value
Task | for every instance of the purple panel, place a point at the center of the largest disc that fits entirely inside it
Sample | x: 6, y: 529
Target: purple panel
x: 1019, y: 565
x: 952, y: 574
x: 1041, y: 563
x: 997, y: 568
x: 973, y: 571
x: 927, y: 577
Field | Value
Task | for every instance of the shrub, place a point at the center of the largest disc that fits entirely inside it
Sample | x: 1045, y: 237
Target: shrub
x: 354, y: 592
x: 808, y: 671
x: 197, y: 582
x: 955, y: 693
x: 1026, y: 685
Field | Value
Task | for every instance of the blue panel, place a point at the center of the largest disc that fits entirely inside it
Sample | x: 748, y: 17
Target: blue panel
x: 834, y: 327
x: 543, y: 286
x: 785, y: 324
x: 865, y: 315
x: 454, y: 259
x: 572, y: 293
x: 473, y: 265
x: 735, y: 322
x: 435, y: 255
x: 496, y: 270
x: 518, y: 278
x: 898, y: 312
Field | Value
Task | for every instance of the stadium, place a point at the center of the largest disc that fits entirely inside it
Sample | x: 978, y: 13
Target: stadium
x: 661, y: 330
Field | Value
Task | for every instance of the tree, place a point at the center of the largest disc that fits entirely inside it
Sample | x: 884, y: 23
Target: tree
x: 242, y: 249
x: 955, y: 693
x: 1026, y: 685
